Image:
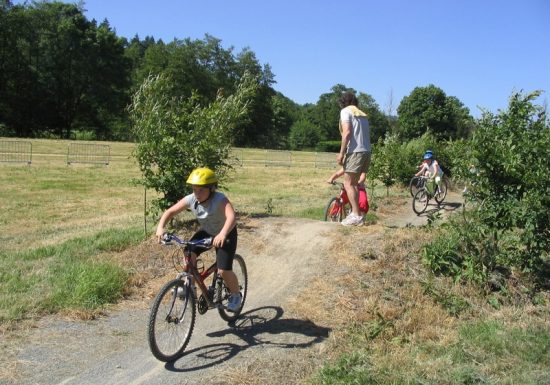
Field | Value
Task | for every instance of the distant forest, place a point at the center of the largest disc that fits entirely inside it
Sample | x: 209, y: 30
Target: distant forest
x: 64, y: 76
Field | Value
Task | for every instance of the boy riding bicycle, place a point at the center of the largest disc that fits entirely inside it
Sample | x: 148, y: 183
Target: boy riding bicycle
x: 217, y: 219
x: 430, y: 168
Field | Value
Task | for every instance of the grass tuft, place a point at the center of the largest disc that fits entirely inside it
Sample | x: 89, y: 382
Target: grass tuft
x: 69, y: 275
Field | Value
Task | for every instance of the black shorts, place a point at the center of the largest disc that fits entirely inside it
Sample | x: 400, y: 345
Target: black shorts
x: 225, y: 254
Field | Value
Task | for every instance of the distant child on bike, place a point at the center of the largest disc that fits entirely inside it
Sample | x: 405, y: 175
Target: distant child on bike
x: 363, y: 199
x: 217, y: 219
x: 430, y: 168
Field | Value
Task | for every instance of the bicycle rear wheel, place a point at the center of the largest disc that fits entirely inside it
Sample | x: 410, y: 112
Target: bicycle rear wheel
x: 441, y: 192
x: 171, y: 321
x: 334, y: 211
x: 420, y: 201
x: 239, y: 268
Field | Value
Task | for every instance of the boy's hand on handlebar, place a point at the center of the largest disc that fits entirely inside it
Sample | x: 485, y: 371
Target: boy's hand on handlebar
x: 159, y: 235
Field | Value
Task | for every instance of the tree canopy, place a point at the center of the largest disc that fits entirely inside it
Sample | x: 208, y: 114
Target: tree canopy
x: 430, y: 109
x: 59, y: 70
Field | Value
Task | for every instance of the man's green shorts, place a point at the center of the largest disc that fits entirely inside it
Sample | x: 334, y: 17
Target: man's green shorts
x: 357, y: 162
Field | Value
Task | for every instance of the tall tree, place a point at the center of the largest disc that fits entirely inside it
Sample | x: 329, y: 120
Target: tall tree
x: 430, y: 109
x: 61, y: 71
x: 326, y: 114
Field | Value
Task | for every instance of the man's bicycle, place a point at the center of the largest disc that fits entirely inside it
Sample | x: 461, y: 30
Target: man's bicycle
x: 173, y: 313
x: 424, y: 194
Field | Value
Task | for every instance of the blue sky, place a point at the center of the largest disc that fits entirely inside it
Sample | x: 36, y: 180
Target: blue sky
x: 479, y: 51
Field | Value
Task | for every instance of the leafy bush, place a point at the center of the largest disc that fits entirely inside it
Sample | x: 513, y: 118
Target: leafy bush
x: 328, y: 146
x: 176, y: 135
x: 509, y: 196
x: 304, y: 134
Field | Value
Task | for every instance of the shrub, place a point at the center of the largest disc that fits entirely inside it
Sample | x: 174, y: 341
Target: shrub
x: 507, y: 225
x: 176, y: 135
x: 328, y: 146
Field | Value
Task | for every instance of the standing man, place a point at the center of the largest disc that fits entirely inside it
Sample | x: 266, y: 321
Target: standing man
x: 355, y: 152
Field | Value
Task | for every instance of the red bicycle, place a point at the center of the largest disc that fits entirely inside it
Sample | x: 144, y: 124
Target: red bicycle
x: 338, y: 207
x: 172, y: 316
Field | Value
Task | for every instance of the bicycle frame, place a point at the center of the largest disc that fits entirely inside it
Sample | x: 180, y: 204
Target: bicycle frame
x: 423, y: 185
x: 190, y: 268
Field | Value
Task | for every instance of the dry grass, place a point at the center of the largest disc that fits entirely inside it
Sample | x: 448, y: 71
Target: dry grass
x: 50, y: 202
x: 388, y: 305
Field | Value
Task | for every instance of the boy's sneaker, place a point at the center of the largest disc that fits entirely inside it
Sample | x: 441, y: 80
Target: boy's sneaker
x: 352, y: 220
x: 234, y: 302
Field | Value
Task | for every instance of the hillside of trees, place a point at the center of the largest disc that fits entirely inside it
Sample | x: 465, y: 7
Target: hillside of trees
x: 64, y: 76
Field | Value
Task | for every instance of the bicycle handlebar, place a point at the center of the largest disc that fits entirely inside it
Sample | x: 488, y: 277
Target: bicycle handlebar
x: 341, y: 185
x: 167, y: 239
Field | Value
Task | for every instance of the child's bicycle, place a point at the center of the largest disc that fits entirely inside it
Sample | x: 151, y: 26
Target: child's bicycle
x: 415, y: 184
x: 423, y: 195
x: 172, y: 316
x: 338, y: 207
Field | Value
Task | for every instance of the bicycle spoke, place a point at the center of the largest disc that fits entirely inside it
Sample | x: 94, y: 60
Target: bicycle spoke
x: 333, y: 212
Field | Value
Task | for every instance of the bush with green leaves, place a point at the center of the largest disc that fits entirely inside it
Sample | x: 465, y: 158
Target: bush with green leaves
x: 176, y: 135
x: 385, y: 155
x: 509, y: 196
x: 328, y: 146
x: 304, y: 135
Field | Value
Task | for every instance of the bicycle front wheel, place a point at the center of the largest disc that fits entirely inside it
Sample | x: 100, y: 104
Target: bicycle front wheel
x: 334, y: 211
x: 414, y: 185
x: 420, y: 201
x: 171, y: 321
x: 441, y: 192
x: 239, y: 268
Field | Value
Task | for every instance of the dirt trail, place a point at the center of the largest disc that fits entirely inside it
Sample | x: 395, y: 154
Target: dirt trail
x: 281, y: 254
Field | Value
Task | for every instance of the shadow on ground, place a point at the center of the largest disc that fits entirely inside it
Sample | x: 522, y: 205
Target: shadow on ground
x: 259, y: 327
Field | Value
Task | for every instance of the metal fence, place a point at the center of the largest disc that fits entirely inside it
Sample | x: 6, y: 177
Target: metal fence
x: 281, y: 158
x: 88, y: 153
x: 15, y: 151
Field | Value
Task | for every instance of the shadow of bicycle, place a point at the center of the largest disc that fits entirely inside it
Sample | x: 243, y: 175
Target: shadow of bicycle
x: 433, y: 208
x: 259, y: 327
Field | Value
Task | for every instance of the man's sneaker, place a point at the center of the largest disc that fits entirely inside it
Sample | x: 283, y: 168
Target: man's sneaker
x: 352, y: 220
x: 234, y: 302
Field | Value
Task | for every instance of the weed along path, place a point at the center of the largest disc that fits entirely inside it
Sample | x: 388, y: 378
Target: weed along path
x: 270, y: 344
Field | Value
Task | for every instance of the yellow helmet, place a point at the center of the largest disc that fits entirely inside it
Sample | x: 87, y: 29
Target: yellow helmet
x: 202, y: 176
